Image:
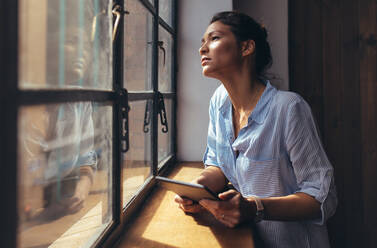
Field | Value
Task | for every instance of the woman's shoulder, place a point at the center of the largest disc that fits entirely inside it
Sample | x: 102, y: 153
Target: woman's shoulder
x: 219, y: 96
x: 287, y: 104
x: 285, y: 99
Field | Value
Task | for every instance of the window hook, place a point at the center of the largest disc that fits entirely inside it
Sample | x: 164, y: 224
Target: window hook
x: 162, y: 112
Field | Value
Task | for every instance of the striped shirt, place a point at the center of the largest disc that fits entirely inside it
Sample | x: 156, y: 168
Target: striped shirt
x: 279, y: 153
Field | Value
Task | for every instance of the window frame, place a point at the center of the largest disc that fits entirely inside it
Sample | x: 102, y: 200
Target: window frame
x: 135, y: 203
x: 12, y: 98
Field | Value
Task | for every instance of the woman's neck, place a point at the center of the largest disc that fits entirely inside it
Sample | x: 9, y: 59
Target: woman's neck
x: 244, y: 90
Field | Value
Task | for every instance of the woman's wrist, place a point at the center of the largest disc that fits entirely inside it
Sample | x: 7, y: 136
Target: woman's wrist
x: 252, y: 208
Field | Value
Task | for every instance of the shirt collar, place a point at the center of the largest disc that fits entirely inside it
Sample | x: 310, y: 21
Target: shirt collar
x: 263, y: 106
x: 260, y: 111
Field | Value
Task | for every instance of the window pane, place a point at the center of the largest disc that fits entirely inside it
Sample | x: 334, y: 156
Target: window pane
x: 65, y: 44
x: 165, y: 139
x: 138, y: 47
x: 165, y: 61
x: 165, y: 9
x: 65, y: 174
x: 137, y: 161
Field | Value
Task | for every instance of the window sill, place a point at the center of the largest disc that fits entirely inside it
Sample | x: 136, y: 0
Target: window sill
x: 162, y: 224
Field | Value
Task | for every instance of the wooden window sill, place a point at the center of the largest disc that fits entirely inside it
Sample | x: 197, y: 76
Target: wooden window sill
x: 160, y: 223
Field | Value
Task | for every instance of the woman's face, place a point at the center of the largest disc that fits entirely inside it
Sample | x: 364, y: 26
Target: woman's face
x: 220, y: 53
x: 76, y: 57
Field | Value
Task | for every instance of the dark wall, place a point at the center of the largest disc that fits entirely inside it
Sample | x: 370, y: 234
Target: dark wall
x: 333, y: 64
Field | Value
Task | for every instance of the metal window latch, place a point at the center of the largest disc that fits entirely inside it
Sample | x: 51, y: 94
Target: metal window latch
x: 117, y: 11
x: 161, y: 46
x: 162, y: 112
x: 147, y: 117
x: 123, y: 118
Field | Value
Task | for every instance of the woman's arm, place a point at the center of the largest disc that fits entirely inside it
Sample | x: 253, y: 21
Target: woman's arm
x: 295, y: 207
x: 235, y: 209
x: 213, y: 178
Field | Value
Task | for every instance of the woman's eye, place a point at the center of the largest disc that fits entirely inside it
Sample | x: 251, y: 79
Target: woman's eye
x: 215, y: 37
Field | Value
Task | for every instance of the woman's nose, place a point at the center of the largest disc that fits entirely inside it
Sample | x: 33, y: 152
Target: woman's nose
x: 203, y: 49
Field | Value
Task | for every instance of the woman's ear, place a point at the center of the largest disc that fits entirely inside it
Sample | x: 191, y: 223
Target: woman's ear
x: 248, y: 47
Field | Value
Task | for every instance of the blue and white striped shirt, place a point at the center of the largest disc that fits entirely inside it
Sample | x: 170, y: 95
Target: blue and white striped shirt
x: 280, y: 153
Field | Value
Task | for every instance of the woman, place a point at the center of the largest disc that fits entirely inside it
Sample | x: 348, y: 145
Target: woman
x: 263, y: 141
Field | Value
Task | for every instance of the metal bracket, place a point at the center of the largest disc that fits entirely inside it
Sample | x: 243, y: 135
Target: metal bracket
x: 123, y: 119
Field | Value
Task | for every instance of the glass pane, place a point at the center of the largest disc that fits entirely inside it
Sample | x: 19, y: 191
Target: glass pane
x: 137, y: 161
x: 138, y: 47
x: 165, y: 9
x: 165, y: 60
x: 165, y: 138
x: 65, y: 174
x: 65, y: 44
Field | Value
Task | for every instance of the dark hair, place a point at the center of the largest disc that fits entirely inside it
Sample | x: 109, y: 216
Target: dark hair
x: 246, y: 28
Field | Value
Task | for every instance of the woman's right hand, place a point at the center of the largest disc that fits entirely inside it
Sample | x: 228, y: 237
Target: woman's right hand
x: 187, y: 205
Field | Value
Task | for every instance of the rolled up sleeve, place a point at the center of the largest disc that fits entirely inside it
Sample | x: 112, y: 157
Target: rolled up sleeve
x: 314, y: 173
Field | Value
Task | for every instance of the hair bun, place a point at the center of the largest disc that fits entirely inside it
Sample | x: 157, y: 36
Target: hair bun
x: 264, y: 31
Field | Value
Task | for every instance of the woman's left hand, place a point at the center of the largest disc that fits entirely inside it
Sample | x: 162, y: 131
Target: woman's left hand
x: 233, y: 210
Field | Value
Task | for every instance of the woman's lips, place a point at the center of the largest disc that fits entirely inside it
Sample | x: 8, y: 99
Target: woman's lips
x: 205, y: 61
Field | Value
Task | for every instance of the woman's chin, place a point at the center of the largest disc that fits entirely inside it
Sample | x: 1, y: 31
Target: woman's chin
x: 207, y: 73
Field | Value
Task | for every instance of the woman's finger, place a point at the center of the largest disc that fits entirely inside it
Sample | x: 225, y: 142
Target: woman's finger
x: 227, y: 195
x: 195, y: 208
x: 211, y: 206
x: 182, y: 200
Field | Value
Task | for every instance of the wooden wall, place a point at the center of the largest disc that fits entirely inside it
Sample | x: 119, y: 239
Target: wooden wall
x: 333, y: 65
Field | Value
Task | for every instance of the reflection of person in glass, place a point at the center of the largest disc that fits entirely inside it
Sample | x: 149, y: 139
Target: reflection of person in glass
x: 66, y: 156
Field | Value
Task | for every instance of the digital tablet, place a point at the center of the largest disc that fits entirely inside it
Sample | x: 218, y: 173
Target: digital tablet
x: 195, y: 192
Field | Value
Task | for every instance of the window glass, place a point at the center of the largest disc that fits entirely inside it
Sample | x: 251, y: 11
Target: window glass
x: 165, y: 60
x: 165, y: 138
x: 137, y: 160
x: 165, y: 9
x: 65, y: 44
x: 137, y: 47
x: 65, y: 175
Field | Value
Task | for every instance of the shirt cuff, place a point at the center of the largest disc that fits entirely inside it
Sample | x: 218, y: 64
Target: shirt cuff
x: 328, y: 202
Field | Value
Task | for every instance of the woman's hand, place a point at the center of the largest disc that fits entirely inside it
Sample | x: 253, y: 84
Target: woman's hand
x: 188, y: 205
x: 76, y: 202
x: 213, y: 178
x: 232, y: 210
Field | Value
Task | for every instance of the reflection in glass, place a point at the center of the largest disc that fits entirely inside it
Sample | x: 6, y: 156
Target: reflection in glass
x: 165, y: 139
x: 137, y: 161
x: 165, y: 60
x: 65, y: 43
x: 137, y: 47
x: 65, y: 161
x: 165, y: 9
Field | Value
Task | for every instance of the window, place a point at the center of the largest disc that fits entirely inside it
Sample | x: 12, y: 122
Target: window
x: 89, y: 115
